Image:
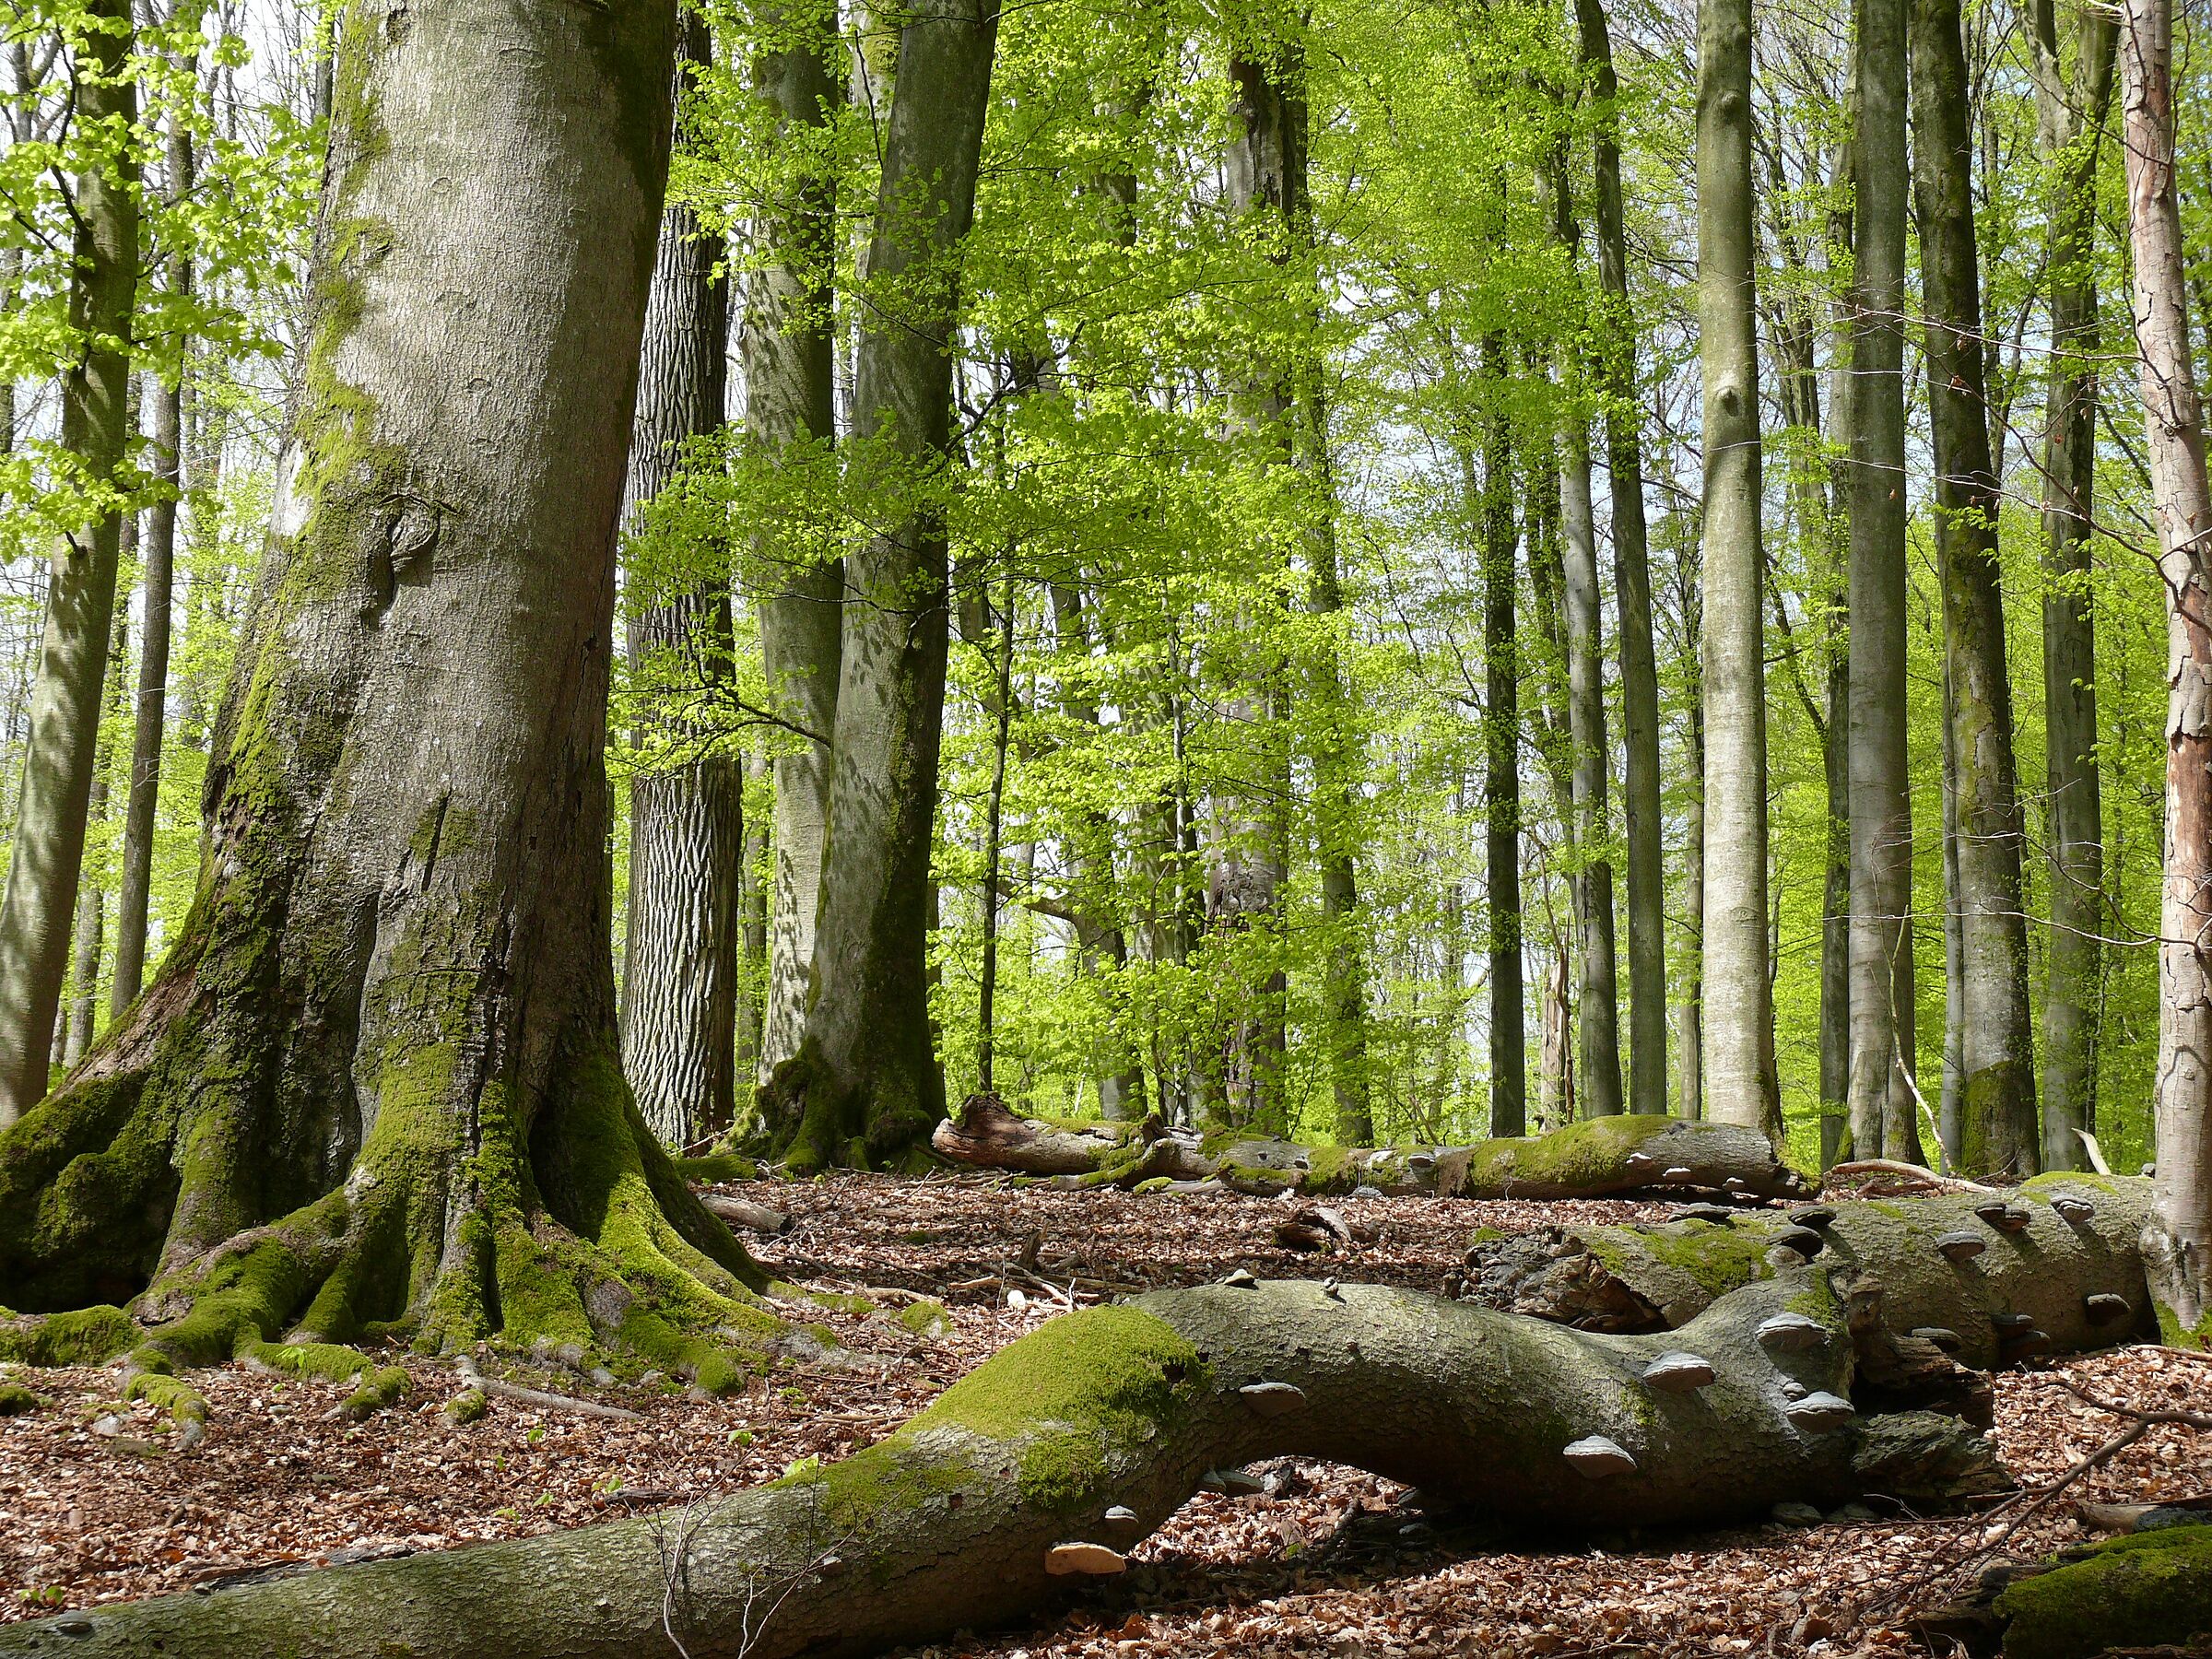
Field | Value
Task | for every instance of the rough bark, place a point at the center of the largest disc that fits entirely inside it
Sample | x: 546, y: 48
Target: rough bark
x: 1064, y: 1450
x: 686, y: 820
x: 1641, y: 812
x: 2040, y: 1282
x: 157, y: 587
x: 1502, y: 760
x: 48, y: 853
x: 1996, y: 1041
x: 374, y: 1087
x: 1738, y: 1000
x: 790, y: 384
x: 1588, y: 1159
x: 2070, y: 127
x: 1882, y: 1121
x: 2178, y: 1239
x: 864, y: 1084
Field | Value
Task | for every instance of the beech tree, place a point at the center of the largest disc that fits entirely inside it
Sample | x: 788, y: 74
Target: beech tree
x: 375, y: 1084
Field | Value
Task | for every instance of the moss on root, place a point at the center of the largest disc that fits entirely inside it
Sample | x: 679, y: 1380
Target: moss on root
x: 81, y: 1337
x: 383, y: 1387
x: 186, y: 1405
x: 16, y: 1399
x: 717, y: 1166
x: 2147, y: 1589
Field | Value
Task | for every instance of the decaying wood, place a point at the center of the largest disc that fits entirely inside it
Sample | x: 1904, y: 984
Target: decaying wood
x: 753, y: 1218
x: 1051, y: 1462
x: 1595, y: 1159
x: 2059, y: 1266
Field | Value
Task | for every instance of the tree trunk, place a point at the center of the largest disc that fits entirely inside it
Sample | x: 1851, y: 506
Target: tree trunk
x: 157, y: 587
x: 791, y: 396
x: 2071, y: 126
x: 49, y: 849
x: 1881, y: 810
x: 1592, y: 1159
x: 686, y: 820
x: 1738, y: 999
x: 1950, y: 1115
x: 2178, y: 1240
x: 1599, y: 1011
x: 91, y: 890
x: 1996, y: 1041
x: 1632, y: 588
x: 1835, y: 914
x: 1690, y: 1042
x: 752, y: 924
x: 866, y: 1083
x: 1061, y: 1452
x: 375, y: 1089
x: 1501, y: 764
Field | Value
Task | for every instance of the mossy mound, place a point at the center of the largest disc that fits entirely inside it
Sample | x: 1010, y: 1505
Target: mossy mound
x: 2149, y: 1589
x: 16, y: 1399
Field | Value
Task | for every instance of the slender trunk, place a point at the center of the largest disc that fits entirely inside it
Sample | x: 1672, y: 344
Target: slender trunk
x: 91, y: 890
x: 1835, y: 913
x: 686, y: 820
x: 2071, y: 126
x: 1501, y: 765
x: 1690, y: 1040
x: 1949, y: 1119
x: 2178, y: 1243
x: 994, y: 822
x: 1599, y: 1010
x: 1640, y: 811
x: 1881, y: 810
x: 157, y: 587
x: 865, y: 1080
x: 752, y: 920
x: 73, y: 659
x: 791, y: 396
x: 1996, y: 1041
x: 1555, y: 1074
x: 1739, y: 1027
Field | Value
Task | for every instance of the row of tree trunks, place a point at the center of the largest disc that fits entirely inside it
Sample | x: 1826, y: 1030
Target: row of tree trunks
x: 1057, y: 1455
x: 1587, y: 1159
x: 2054, y: 1265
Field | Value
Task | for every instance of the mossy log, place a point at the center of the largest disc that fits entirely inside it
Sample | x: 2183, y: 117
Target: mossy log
x: 2053, y: 1265
x: 1058, y: 1455
x: 1590, y: 1160
x: 2148, y: 1592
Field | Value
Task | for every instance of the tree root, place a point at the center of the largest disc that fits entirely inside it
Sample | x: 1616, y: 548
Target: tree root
x: 1052, y: 1460
x: 1590, y: 1160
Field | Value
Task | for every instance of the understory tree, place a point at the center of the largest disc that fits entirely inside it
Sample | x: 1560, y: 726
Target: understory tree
x: 374, y: 1086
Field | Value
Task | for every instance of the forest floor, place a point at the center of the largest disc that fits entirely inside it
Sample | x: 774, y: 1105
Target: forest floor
x: 1328, y: 1562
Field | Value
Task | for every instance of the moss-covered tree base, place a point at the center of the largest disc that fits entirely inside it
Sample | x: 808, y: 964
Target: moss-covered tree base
x: 2146, y: 1591
x: 1595, y: 1159
x: 445, y: 1232
x: 1056, y: 1457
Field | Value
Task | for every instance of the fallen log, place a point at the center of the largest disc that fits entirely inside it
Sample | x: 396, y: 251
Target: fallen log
x: 1053, y: 1459
x: 2053, y: 1265
x: 1595, y: 1159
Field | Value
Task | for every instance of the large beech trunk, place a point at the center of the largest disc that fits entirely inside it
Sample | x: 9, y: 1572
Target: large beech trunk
x: 864, y: 1084
x: 1580, y: 1161
x: 374, y: 1086
x: 1061, y: 1452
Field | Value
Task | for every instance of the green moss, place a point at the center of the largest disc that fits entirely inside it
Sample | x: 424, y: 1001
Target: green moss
x: 85, y: 1336
x: 1718, y: 1259
x: 16, y: 1399
x: 2175, y: 1335
x: 467, y: 1407
x: 924, y: 1318
x: 1576, y: 1156
x: 2146, y: 1589
x: 717, y: 1166
x: 1332, y: 1172
x: 384, y: 1386
x: 1072, y: 1393
x: 1154, y: 1183
x: 317, y: 1361
x: 247, y: 1294
x: 187, y: 1408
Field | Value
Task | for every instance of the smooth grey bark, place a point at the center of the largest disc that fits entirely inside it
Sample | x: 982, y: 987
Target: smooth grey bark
x: 1835, y: 916
x: 2177, y: 1242
x: 1598, y: 1009
x: 866, y: 1078
x: 753, y: 885
x: 156, y: 589
x: 2070, y: 129
x: 1501, y: 758
x: 1690, y: 1012
x: 376, y: 1077
x: 1996, y: 1038
x: 993, y: 837
x: 1640, y: 811
x: 91, y: 890
x: 948, y: 1524
x: 791, y: 401
x: 1738, y: 1006
x: 687, y: 819
x: 37, y: 911
x: 1949, y: 1120
x: 1882, y: 1120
